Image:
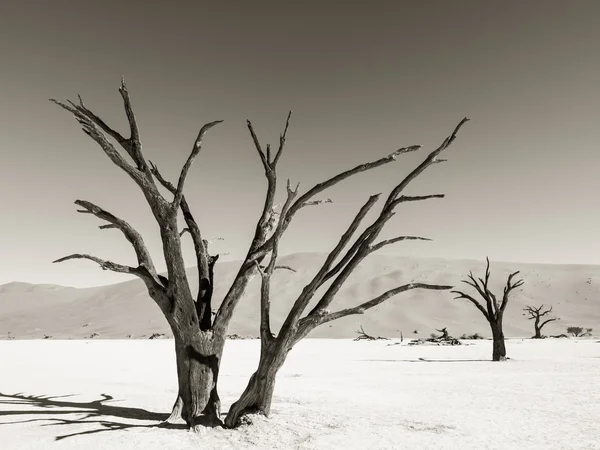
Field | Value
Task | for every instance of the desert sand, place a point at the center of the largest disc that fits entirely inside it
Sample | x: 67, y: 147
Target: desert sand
x: 117, y: 311
x: 111, y: 394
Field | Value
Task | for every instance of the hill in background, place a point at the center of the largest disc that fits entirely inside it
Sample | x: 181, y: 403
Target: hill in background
x: 116, y: 311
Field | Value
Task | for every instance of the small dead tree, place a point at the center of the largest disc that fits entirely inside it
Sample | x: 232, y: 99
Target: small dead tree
x: 199, y: 333
x: 536, y: 314
x: 443, y: 339
x: 492, y: 310
x: 444, y: 332
x: 258, y: 394
x: 363, y: 336
x: 579, y: 331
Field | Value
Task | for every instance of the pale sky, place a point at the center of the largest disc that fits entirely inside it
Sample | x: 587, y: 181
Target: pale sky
x: 362, y: 78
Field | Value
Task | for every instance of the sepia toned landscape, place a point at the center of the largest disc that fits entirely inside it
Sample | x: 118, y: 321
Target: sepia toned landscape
x: 310, y: 225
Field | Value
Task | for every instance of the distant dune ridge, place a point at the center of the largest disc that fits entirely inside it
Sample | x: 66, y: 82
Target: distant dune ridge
x: 31, y: 311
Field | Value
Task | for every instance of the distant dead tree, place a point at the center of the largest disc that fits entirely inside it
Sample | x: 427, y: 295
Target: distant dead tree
x: 579, y: 331
x: 443, y: 339
x: 198, y: 333
x: 444, y: 332
x: 536, y: 314
x: 258, y: 394
x: 493, y: 310
x: 363, y: 336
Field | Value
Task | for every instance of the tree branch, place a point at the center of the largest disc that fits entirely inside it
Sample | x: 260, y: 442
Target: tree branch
x: 278, y: 267
x: 362, y: 245
x: 282, y: 138
x: 509, y: 288
x: 382, y: 244
x: 352, y: 251
x: 415, y: 198
x: 186, y: 167
x: 316, y: 202
x: 320, y: 187
x: 360, y: 249
x: 155, y: 289
x: 264, y: 226
x: 94, y: 130
x: 547, y: 320
x: 536, y: 312
x: 265, y: 302
x: 104, y: 264
x: 483, y: 292
x: 431, y: 159
x: 490, y: 297
x: 305, y: 199
x: 133, y: 236
x: 265, y: 162
x: 479, y: 306
x: 134, y: 147
x: 360, y: 309
x: 309, y: 290
x: 95, y: 127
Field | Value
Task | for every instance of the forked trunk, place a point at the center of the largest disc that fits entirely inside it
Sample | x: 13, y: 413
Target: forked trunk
x: 499, y: 349
x: 198, y: 401
x: 258, y: 395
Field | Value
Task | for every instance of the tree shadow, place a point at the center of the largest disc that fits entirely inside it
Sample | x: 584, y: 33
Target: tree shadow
x: 96, y: 410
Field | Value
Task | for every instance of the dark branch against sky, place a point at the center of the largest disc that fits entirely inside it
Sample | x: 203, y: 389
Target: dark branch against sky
x: 362, y: 78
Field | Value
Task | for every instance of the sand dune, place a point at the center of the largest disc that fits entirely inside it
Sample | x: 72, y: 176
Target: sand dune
x: 116, y: 311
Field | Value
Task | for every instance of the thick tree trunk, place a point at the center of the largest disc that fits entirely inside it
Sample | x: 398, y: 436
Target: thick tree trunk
x: 258, y: 395
x: 499, y: 349
x: 198, y: 402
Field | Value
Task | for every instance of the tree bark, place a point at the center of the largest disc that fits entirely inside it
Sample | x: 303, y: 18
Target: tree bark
x: 258, y: 395
x: 198, y: 360
x: 538, y: 329
x: 499, y: 349
x: 176, y: 412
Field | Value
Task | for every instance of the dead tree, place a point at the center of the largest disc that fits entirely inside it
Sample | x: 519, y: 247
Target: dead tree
x: 444, y: 332
x: 198, y: 348
x: 363, y: 336
x: 492, y: 310
x: 199, y: 333
x: 443, y: 339
x: 258, y: 394
x: 579, y: 331
x: 536, y: 314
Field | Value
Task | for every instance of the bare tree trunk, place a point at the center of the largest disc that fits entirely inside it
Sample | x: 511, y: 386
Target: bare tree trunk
x: 198, y: 360
x: 499, y: 349
x: 258, y: 395
x: 538, y: 329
